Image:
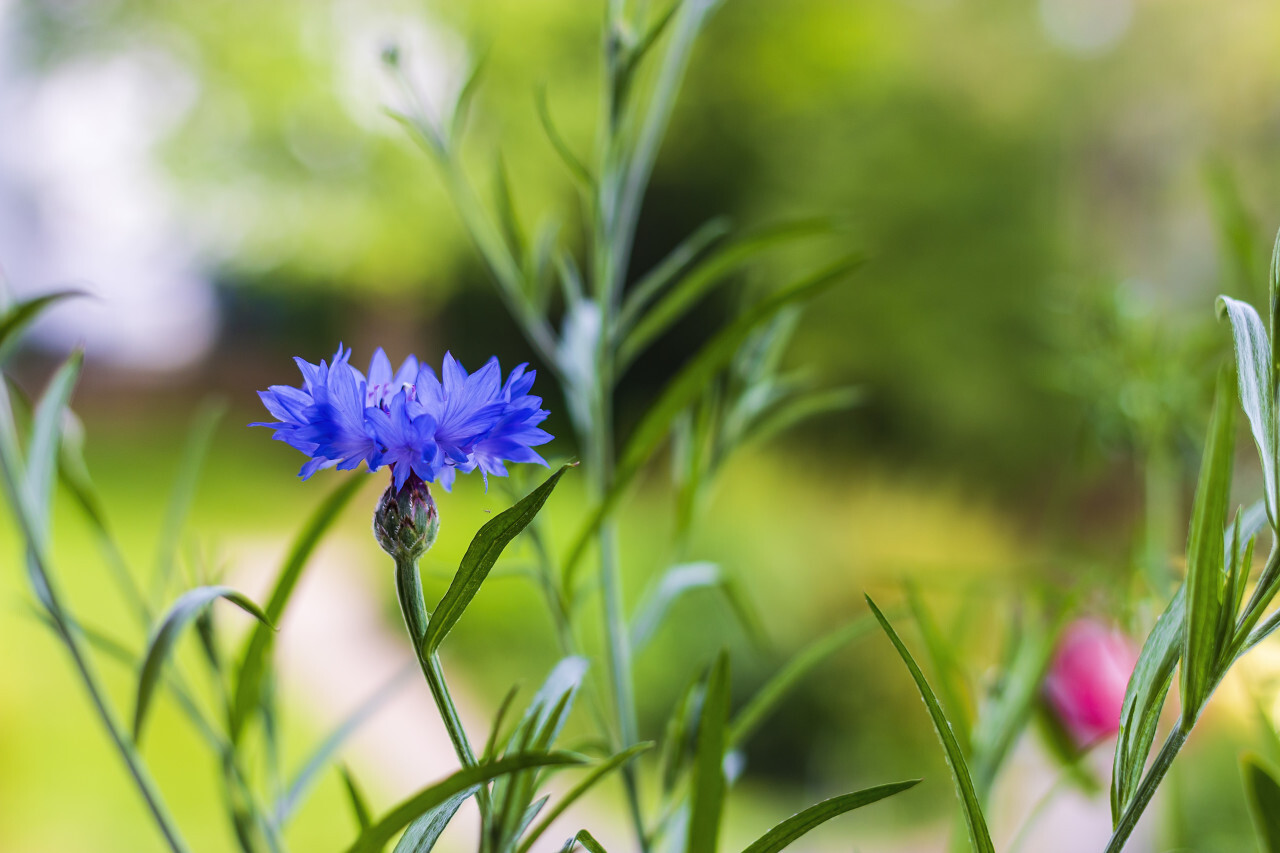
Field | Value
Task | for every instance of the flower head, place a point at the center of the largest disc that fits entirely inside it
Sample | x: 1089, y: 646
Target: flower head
x: 1087, y: 678
x: 409, y: 419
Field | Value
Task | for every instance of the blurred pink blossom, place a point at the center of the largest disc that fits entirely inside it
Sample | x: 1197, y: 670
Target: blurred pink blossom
x: 1087, y: 679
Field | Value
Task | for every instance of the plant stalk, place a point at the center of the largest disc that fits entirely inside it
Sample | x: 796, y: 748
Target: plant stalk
x: 1147, y: 789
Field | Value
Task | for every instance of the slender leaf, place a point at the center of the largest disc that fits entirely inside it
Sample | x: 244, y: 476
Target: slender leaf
x: 949, y: 676
x: 706, y: 799
x: 791, y: 829
x: 428, y: 798
x: 979, y: 836
x: 653, y: 282
x: 359, y: 806
x: 1206, y: 578
x: 680, y: 580
x: 462, y: 105
x: 423, y: 833
x: 253, y: 660
x: 585, y: 839
x: 763, y: 703
x: 675, y: 737
x: 178, y: 617
x: 686, y: 387
x: 482, y: 553
x: 328, y: 748
x: 570, y: 160
x: 18, y: 316
x: 199, y: 438
x: 702, y: 279
x: 505, y: 204
x: 597, y: 773
x: 491, y: 745
x: 1263, y: 790
x: 46, y: 432
x: 1257, y: 388
x: 1150, y: 682
x: 799, y: 408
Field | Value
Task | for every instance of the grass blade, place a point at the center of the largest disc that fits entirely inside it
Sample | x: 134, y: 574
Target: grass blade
x: 373, y: 838
x: 253, y: 660
x: 686, y: 387
x: 763, y: 703
x: 46, y: 432
x: 785, y: 833
x: 979, y: 836
x: 706, y: 799
x: 359, y: 806
x: 1254, y: 367
x: 482, y: 553
x: 1263, y: 794
x: 183, y: 611
x: 587, y: 842
x: 702, y: 279
x: 18, y: 316
x: 597, y: 773
x: 194, y: 454
x: 329, y: 747
x: 1206, y: 579
x: 680, y: 580
x: 653, y: 282
x: 423, y: 833
x: 948, y: 673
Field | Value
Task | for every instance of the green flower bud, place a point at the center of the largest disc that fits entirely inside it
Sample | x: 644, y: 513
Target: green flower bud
x: 406, y: 521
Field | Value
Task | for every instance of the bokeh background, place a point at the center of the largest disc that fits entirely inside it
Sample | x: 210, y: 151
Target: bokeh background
x: 1052, y: 192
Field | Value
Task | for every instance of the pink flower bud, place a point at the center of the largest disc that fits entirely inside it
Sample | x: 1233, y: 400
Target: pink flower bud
x: 1087, y: 679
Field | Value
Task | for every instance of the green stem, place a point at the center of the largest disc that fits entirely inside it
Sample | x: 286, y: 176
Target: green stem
x: 1146, y: 790
x: 414, y: 608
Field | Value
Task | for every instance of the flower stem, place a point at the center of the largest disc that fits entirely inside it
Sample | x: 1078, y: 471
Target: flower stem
x: 414, y: 608
x: 1146, y: 790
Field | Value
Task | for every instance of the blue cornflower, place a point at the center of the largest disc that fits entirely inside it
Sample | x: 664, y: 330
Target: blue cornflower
x: 409, y: 419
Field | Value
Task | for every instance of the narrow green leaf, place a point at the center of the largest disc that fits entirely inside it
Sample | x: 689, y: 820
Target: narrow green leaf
x: 1274, y: 286
x: 680, y: 580
x: 979, y: 837
x: 423, y: 833
x: 179, y: 615
x: 373, y: 838
x: 949, y: 677
x: 597, y: 773
x: 643, y: 292
x: 46, y: 433
x: 585, y: 839
x: 495, y: 732
x: 1235, y: 226
x: 1150, y: 682
x: 1009, y: 708
x: 199, y: 438
x: 798, y: 408
x: 466, y: 95
x: 1206, y: 578
x: 1257, y: 388
x: 791, y: 829
x: 253, y: 660
x: 675, y: 736
x: 1263, y: 794
x: 706, y: 798
x: 482, y: 553
x: 702, y: 279
x: 18, y: 316
x: 763, y: 703
x: 558, y: 143
x: 505, y: 204
x: 686, y: 387
x: 359, y: 806
x: 324, y: 752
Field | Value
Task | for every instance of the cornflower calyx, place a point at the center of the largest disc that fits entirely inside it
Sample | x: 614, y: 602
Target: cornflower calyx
x: 406, y: 521
x: 409, y: 419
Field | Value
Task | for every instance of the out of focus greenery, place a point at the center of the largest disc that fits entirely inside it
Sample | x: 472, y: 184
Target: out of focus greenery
x: 1034, y: 335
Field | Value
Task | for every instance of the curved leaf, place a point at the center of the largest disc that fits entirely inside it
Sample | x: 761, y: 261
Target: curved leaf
x: 423, y: 833
x: 979, y: 836
x: 686, y: 387
x: 253, y: 659
x: 1257, y: 387
x: 373, y: 838
x: 785, y: 833
x: 706, y: 799
x: 18, y: 316
x: 597, y: 773
x: 185, y: 609
x: 482, y: 553
x: 1264, y: 802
